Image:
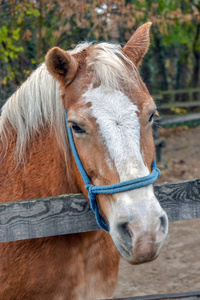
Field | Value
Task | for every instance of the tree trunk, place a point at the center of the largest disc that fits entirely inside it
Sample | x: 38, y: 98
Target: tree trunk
x: 161, y: 77
x: 39, y: 37
x: 182, y: 73
x: 196, y: 52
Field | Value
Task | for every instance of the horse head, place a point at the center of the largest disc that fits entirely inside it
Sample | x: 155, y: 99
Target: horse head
x: 110, y: 112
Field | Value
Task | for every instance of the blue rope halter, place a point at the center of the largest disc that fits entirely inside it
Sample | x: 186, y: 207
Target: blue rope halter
x: 107, y: 189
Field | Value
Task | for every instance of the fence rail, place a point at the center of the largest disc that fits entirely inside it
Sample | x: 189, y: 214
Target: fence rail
x: 179, y: 120
x: 173, y: 93
x: 67, y: 214
x: 181, y: 296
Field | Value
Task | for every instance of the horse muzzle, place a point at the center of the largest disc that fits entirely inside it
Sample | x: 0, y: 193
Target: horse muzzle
x: 137, y: 246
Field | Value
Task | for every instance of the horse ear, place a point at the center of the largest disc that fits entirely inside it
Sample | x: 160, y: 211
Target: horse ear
x: 138, y: 44
x: 61, y: 65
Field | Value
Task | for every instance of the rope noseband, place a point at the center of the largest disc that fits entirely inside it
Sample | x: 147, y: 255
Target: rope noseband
x: 107, y: 189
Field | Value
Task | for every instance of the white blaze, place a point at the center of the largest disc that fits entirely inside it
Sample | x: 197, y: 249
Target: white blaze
x: 119, y: 126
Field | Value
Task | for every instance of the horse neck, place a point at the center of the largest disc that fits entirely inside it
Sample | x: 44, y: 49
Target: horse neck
x: 43, y: 173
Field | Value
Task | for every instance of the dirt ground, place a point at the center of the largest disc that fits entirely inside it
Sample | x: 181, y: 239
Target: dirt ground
x: 177, y: 269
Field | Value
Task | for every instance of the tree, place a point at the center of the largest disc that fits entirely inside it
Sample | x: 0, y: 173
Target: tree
x: 29, y: 28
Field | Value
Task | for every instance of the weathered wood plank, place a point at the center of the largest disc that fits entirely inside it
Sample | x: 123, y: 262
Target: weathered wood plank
x: 180, y: 199
x: 67, y: 214
x: 180, y: 105
x: 181, y: 91
x: 171, y: 93
x: 45, y: 217
x: 179, y: 119
x: 181, y: 296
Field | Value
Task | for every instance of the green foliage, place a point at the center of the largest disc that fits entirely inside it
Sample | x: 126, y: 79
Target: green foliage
x: 29, y: 28
x: 8, y: 47
x: 179, y: 110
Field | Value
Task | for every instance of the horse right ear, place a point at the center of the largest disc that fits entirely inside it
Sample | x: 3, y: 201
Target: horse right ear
x: 61, y: 65
x: 138, y: 44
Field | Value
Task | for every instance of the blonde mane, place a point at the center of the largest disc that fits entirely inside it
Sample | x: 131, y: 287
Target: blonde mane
x: 37, y: 103
x: 34, y: 106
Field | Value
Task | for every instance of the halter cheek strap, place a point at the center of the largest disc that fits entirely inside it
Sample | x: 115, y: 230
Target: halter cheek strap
x: 107, y: 189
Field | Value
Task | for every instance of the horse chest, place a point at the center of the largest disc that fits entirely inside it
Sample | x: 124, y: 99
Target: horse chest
x: 78, y: 267
x: 93, y: 268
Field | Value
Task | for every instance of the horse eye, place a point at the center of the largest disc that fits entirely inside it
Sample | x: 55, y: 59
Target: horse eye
x: 151, y: 116
x: 78, y: 129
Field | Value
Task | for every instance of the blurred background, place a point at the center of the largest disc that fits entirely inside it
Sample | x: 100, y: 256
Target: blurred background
x: 171, y: 70
x: 28, y: 29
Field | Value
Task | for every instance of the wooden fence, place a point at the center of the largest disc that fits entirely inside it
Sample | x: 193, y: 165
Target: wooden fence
x: 178, y: 113
x: 171, y: 94
x: 67, y: 214
x: 174, y: 114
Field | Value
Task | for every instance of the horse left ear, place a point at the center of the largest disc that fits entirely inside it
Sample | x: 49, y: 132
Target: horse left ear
x: 61, y: 65
x: 138, y: 44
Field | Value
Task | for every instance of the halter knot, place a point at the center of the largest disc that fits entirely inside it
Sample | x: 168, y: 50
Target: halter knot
x: 91, y: 196
x: 93, y: 204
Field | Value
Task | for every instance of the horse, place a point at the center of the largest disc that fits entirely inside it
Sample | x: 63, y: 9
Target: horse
x: 110, y: 113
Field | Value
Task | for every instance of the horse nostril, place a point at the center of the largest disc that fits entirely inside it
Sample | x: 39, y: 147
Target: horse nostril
x: 124, y: 230
x: 164, y: 223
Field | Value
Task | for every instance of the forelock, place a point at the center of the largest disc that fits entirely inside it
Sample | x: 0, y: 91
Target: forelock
x: 112, y: 68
